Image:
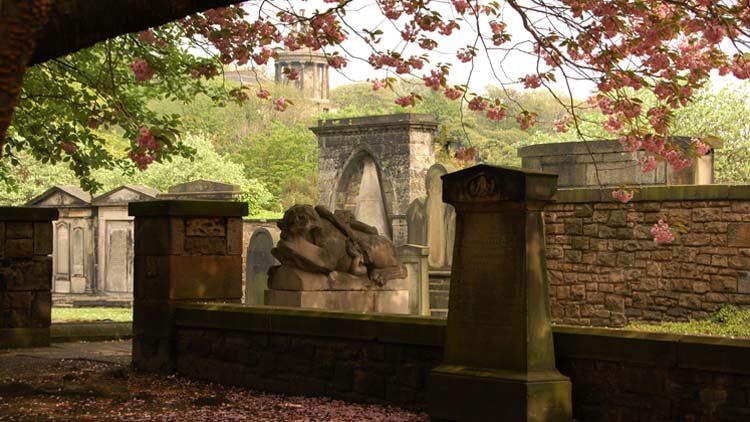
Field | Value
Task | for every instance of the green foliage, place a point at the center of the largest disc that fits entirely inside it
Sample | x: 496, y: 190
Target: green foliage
x: 65, y: 100
x: 286, y: 159
x: 206, y: 163
x: 34, y: 177
x: 727, y: 321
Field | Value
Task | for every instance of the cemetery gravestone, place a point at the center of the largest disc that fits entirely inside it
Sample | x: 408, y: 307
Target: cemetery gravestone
x: 499, y: 361
x: 259, y: 260
x: 431, y: 222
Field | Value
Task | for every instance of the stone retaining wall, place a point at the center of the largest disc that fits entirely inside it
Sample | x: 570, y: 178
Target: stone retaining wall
x: 605, y: 269
x: 616, y: 375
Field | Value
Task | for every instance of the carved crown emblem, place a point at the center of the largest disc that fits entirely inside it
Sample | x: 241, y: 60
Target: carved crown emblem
x: 481, y: 186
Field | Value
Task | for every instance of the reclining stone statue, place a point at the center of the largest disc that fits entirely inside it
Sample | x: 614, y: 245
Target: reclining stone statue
x: 318, y: 241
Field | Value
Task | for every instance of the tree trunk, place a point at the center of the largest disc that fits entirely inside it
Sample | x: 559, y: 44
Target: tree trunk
x: 76, y: 24
x: 33, y: 32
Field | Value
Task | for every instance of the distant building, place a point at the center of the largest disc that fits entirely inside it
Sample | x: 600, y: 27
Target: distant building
x: 313, y: 73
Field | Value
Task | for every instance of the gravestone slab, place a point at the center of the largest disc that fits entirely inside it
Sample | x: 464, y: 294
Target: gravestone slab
x: 499, y: 361
x: 259, y: 260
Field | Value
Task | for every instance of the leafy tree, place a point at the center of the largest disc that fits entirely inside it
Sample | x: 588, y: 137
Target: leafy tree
x: 33, y: 177
x: 286, y: 159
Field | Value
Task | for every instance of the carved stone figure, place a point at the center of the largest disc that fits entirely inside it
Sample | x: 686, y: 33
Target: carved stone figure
x: 316, y: 240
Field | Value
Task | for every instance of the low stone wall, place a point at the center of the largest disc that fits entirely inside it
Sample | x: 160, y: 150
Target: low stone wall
x: 605, y: 269
x: 616, y: 374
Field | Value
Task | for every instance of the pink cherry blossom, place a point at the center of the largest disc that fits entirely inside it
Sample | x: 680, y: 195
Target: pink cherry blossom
x: 478, y: 104
x: 622, y: 195
x: 562, y: 124
x: 407, y: 100
x: 647, y: 164
x: 142, y: 70
x: 701, y: 148
x: 280, y: 104
x: 532, y: 81
x: 378, y: 84
x: 496, y: 113
x: 453, y: 94
x: 662, y: 233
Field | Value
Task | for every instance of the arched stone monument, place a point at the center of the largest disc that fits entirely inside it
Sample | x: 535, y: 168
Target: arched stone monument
x: 259, y: 260
x: 396, y: 148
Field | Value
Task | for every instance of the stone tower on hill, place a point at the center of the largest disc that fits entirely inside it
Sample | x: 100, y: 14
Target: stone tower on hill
x: 313, y: 73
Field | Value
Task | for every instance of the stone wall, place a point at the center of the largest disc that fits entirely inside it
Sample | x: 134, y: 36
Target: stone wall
x: 605, y: 269
x: 25, y: 276
x: 184, y: 251
x: 616, y: 374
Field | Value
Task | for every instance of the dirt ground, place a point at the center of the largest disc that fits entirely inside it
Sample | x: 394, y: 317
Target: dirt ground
x: 93, y: 381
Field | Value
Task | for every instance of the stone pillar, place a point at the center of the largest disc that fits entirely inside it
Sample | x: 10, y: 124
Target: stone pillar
x: 499, y: 361
x: 414, y: 257
x: 184, y: 251
x: 25, y: 276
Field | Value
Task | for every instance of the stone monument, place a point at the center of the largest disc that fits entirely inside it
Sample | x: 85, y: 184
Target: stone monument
x: 335, y: 262
x: 432, y: 222
x: 259, y: 260
x: 499, y: 361
x: 378, y: 159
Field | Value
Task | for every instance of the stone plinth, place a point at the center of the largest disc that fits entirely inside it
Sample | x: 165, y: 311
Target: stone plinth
x: 499, y: 361
x: 415, y: 258
x: 184, y: 251
x: 25, y: 276
x: 336, y: 291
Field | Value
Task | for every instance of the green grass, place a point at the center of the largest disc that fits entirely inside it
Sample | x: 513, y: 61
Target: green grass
x: 92, y: 314
x: 727, y: 321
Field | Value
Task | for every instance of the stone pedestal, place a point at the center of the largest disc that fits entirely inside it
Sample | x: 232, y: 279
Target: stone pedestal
x: 25, y: 276
x: 336, y: 291
x: 499, y: 361
x: 415, y: 258
x: 184, y: 251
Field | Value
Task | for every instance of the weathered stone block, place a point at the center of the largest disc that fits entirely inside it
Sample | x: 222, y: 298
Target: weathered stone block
x: 205, y: 277
x: 41, y: 309
x: 204, y: 245
x: 234, y: 236
x: 205, y: 227
x: 14, y: 230
x: 583, y: 210
x: 19, y: 248
x: 617, y: 218
x: 27, y: 274
x: 42, y: 238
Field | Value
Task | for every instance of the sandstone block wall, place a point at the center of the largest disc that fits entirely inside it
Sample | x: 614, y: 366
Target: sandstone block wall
x: 184, y: 251
x: 25, y: 276
x: 605, y: 269
x: 616, y: 375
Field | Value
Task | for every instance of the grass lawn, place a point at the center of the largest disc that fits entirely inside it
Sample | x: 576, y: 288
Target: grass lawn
x: 728, y: 321
x: 92, y: 314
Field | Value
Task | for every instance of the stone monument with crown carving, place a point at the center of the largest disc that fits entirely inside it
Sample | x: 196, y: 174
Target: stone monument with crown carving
x: 499, y: 361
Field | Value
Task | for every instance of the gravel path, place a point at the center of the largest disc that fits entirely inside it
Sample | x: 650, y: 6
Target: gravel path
x: 93, y: 381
